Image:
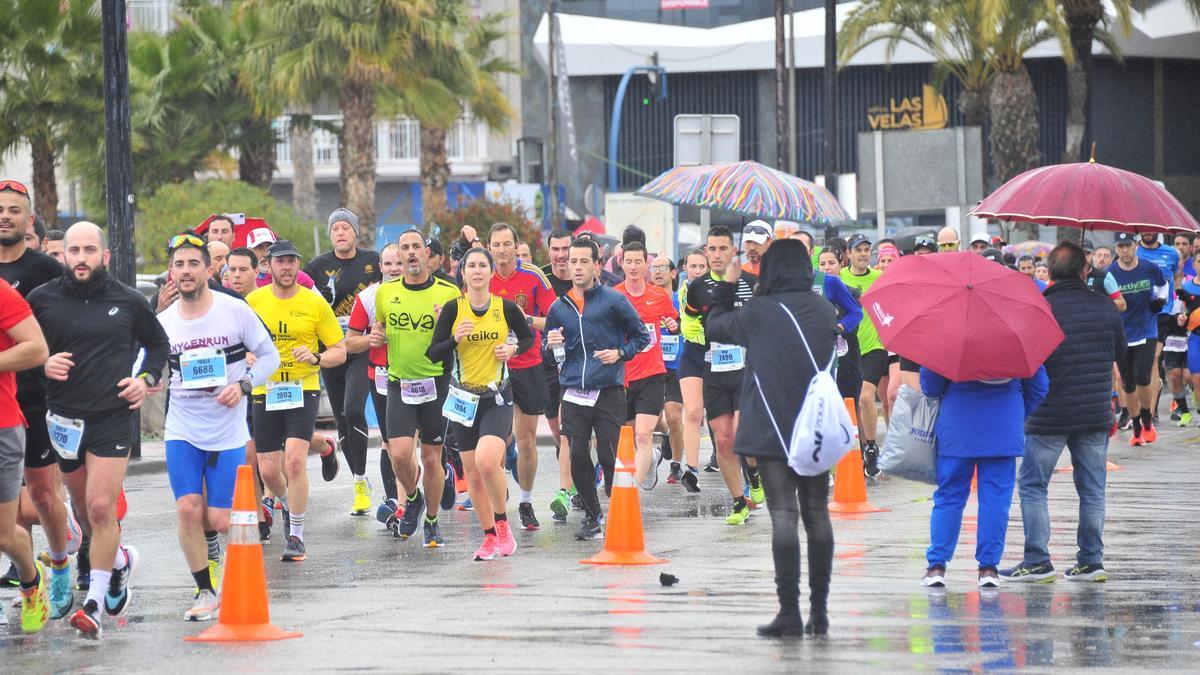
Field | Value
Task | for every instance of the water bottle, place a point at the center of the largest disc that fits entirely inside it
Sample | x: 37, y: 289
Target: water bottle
x: 560, y: 352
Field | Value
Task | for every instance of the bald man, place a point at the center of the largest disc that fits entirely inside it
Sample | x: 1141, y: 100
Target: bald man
x: 947, y: 239
x: 219, y: 252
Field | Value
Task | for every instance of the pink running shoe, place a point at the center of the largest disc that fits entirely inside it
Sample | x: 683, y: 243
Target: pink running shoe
x: 488, y: 550
x: 505, y: 542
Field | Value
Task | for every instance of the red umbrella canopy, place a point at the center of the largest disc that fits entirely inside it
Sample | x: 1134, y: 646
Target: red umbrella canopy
x: 963, y: 316
x: 1087, y: 195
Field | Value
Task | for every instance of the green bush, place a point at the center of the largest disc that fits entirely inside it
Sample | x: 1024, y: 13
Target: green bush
x: 482, y: 214
x: 180, y: 206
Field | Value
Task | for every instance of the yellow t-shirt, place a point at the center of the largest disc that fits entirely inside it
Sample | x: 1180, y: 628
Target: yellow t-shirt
x: 476, y: 366
x: 299, y: 321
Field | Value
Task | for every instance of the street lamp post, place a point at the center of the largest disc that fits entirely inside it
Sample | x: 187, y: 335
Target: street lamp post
x: 614, y: 129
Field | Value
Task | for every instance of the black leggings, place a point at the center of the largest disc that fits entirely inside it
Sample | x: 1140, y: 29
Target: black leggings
x: 578, y: 424
x: 347, y: 386
x: 790, y: 498
x: 386, y: 472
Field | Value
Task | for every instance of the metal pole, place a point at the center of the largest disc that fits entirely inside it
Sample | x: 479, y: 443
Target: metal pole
x: 830, y: 103
x: 117, y: 158
x: 552, y: 159
x: 791, y: 89
x: 781, y: 145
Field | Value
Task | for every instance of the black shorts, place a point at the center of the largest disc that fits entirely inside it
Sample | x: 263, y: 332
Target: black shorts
x: 874, y: 366
x: 553, y: 389
x: 691, y: 360
x: 645, y: 396
x: 604, y: 418
x: 722, y: 393
x: 1166, y: 324
x: 529, y: 389
x: 273, y: 428
x: 492, y: 418
x: 38, y: 451
x: 106, y: 435
x: 1174, y: 360
x: 405, y: 419
x: 671, y: 391
x: 1137, y: 366
x: 907, y: 366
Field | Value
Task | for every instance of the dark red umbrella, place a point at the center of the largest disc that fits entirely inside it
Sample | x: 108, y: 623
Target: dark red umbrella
x: 1090, y: 196
x: 963, y: 316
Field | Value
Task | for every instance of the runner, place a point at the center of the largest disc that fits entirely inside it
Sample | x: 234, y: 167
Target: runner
x: 406, y: 312
x: 22, y: 347
x: 1184, y: 243
x: 94, y: 326
x: 723, y: 371
x: 260, y: 241
x: 1145, y: 290
x: 25, y: 269
x: 827, y: 283
x: 1168, y: 260
x: 874, y: 358
x: 529, y: 288
x: 342, y: 274
x: 53, y: 246
x: 220, y: 228
x: 474, y: 332
x: 590, y: 332
x: 663, y: 274
x: 756, y: 237
x: 559, y: 276
x: 691, y: 371
x: 285, y: 408
x: 210, y: 336
x: 646, y: 374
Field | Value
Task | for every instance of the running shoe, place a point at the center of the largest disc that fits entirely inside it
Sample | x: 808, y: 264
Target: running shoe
x: 35, y: 605
x: 329, y: 461
x: 466, y: 505
x: 119, y: 590
x: 1185, y: 420
x: 61, y: 596
x: 362, y: 497
x: 386, y: 513
x: 487, y: 551
x: 988, y: 578
x: 529, y: 522
x: 1089, y: 572
x: 1149, y: 433
x: 449, y: 495
x: 1041, y: 573
x: 576, y: 501
x: 691, y: 482
x: 870, y: 459
x: 676, y: 474
x: 74, y: 532
x: 651, y: 478
x: 266, y: 518
x: 712, y: 467
x: 433, y: 536
x: 757, y: 494
x: 738, y: 516
x: 204, y: 608
x: 86, y: 620
x: 506, y: 543
x: 590, y: 529
x: 560, y: 505
x: 294, y: 551
x: 1136, y: 441
x: 935, y: 577
x: 1175, y: 414
x: 11, y: 577
x: 1125, y: 422
x: 413, y: 510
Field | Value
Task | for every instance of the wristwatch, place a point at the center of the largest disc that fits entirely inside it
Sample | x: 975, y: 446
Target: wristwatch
x: 246, y: 386
x: 318, y: 355
x: 150, y: 378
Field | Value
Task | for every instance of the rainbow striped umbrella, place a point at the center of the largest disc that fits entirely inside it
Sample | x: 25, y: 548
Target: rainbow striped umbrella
x: 748, y: 188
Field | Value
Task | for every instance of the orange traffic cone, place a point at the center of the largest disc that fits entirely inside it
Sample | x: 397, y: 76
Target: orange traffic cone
x: 624, y: 543
x: 849, y: 484
x: 244, y: 616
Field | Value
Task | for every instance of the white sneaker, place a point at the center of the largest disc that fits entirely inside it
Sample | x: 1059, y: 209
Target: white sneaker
x: 651, y: 478
x: 204, y: 608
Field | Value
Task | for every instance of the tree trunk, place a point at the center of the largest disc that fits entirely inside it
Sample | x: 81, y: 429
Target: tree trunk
x: 256, y: 152
x: 435, y: 172
x: 357, y: 101
x: 781, y: 134
x: 304, y: 186
x: 973, y: 104
x: 1014, y: 127
x: 1082, y: 17
x: 45, y: 183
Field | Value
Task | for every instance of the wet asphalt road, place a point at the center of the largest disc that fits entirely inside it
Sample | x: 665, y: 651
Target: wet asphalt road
x: 367, y: 601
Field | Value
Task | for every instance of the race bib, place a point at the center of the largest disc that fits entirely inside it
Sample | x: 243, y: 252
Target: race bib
x: 65, y: 435
x: 284, y: 396
x: 1176, y: 343
x: 414, y: 392
x: 583, y: 397
x: 670, y: 347
x: 652, y: 331
x: 726, y: 358
x: 381, y: 380
x: 843, y: 347
x: 202, y: 368
x: 461, y: 406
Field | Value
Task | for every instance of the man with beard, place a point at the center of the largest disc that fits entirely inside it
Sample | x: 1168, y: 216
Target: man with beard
x: 220, y: 228
x: 94, y: 326
x: 756, y: 237
x: 1167, y: 260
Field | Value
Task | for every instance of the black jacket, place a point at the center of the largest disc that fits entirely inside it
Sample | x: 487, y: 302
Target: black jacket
x: 1080, y: 369
x: 102, y: 325
x: 773, y: 350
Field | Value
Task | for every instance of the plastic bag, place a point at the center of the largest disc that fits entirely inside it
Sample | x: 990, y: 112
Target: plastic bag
x: 910, y: 450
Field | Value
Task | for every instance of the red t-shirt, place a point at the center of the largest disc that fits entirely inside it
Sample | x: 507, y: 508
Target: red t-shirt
x: 529, y: 288
x: 13, y: 310
x: 652, y: 306
x: 361, y: 318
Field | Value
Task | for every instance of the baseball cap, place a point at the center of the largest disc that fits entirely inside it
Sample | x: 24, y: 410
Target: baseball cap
x: 857, y: 240
x: 1125, y: 238
x: 1089, y: 245
x: 756, y: 231
x: 259, y: 236
x: 281, y: 248
x: 924, y: 241
x: 981, y: 238
x: 435, y: 246
x: 994, y: 255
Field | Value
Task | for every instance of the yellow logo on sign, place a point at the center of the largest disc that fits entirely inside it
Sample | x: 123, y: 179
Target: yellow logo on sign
x: 927, y: 111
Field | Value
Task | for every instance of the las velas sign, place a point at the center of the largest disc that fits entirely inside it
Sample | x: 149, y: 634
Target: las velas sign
x: 927, y: 111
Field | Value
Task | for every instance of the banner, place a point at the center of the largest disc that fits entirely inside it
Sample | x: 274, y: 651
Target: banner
x: 684, y: 4
x: 568, y: 154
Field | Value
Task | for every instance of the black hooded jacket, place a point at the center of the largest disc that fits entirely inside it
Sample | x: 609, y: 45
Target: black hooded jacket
x: 774, y: 352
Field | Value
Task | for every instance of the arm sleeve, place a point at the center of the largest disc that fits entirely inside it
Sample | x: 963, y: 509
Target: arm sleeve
x: 151, y: 336
x: 932, y: 384
x: 259, y: 342
x: 517, y: 324
x: 636, y: 338
x: 443, y: 344
x: 841, y: 296
x: 1035, y: 389
x: 1111, y: 288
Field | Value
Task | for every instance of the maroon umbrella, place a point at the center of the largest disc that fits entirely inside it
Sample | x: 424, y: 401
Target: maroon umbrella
x: 1090, y: 196
x: 963, y: 316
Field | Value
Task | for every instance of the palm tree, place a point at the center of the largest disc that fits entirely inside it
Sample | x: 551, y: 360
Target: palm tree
x: 1085, y: 23
x: 51, y: 56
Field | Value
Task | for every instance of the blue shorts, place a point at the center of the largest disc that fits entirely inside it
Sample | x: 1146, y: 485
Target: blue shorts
x: 190, y: 469
x: 1193, y: 354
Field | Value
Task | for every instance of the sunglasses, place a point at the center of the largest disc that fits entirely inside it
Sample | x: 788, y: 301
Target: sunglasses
x: 15, y: 186
x: 660, y: 268
x: 948, y: 246
x: 184, y: 240
x: 757, y: 229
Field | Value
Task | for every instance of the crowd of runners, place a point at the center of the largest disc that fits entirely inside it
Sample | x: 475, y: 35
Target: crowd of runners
x: 460, y: 352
